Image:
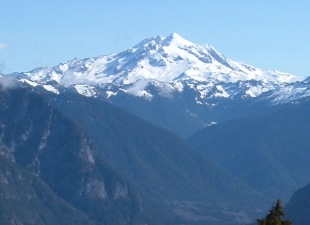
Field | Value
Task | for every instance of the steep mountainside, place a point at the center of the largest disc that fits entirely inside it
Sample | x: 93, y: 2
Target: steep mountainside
x: 171, y: 82
x: 25, y: 199
x: 52, y: 147
x: 298, y: 208
x: 269, y: 152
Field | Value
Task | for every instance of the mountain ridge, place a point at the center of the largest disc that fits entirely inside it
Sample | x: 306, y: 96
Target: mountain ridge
x: 170, y: 60
x: 171, y: 82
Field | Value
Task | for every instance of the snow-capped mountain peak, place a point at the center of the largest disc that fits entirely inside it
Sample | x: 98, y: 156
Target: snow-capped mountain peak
x: 173, y: 40
x: 168, y: 63
x: 176, y: 40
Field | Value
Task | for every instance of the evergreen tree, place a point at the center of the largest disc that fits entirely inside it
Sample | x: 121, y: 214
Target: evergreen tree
x: 274, y: 216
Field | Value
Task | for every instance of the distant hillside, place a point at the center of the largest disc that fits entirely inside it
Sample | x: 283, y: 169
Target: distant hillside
x: 270, y: 152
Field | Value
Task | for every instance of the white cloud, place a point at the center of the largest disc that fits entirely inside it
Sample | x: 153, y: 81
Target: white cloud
x: 7, y: 82
x: 3, y: 45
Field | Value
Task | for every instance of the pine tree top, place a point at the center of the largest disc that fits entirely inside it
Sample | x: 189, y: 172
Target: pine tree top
x: 274, y: 216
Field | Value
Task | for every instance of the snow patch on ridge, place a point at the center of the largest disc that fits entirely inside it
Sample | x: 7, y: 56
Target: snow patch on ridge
x: 221, y: 92
x: 85, y: 90
x: 34, y: 84
x: 110, y: 93
x: 51, y: 89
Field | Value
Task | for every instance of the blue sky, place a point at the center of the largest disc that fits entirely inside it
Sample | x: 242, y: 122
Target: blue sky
x: 267, y: 34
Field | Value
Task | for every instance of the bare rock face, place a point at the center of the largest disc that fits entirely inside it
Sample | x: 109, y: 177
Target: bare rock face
x: 121, y: 191
x: 4, y: 151
x: 86, y: 153
x: 95, y: 188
